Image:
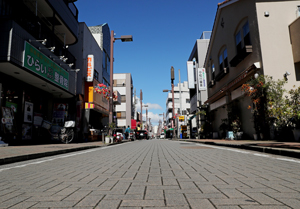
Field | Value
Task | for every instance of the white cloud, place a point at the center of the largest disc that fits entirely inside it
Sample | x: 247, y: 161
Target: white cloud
x: 150, y: 106
x: 154, y: 117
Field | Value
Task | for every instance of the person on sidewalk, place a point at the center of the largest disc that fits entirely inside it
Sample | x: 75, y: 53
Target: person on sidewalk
x: 127, y: 131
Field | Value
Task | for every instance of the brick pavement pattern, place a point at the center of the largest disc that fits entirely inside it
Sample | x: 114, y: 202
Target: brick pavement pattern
x: 152, y: 174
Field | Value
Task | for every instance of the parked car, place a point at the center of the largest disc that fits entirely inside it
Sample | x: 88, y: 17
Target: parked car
x: 141, y: 134
x: 162, y: 136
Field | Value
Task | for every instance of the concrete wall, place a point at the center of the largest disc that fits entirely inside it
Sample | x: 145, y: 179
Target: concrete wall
x: 274, y: 35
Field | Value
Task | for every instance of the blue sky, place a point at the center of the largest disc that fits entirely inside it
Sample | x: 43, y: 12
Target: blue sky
x: 164, y: 33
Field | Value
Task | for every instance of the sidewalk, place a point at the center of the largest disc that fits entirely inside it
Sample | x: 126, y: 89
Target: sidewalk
x: 290, y: 149
x: 11, y: 154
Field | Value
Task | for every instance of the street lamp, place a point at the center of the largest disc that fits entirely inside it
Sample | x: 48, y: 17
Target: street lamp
x: 165, y: 90
x: 146, y: 114
x: 126, y: 38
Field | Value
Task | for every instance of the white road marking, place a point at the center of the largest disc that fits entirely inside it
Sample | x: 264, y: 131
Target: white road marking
x: 54, y: 158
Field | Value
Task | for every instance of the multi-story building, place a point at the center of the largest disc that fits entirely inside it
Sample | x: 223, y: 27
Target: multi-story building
x: 123, y: 113
x: 249, y: 37
x: 181, y: 107
x: 197, y: 81
x: 94, y: 105
x: 35, y: 79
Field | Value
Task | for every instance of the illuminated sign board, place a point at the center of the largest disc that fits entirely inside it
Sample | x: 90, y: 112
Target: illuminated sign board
x: 202, y: 79
x: 40, y: 64
x: 90, y: 68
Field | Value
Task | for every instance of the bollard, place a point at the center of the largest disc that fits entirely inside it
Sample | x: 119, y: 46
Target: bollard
x: 103, y: 138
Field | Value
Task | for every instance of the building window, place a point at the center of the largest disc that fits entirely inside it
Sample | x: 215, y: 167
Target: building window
x: 96, y: 75
x: 105, y: 62
x: 242, y: 37
x: 212, y: 71
x: 123, y: 98
x: 119, y: 83
x: 187, y: 101
x: 223, y: 61
x: 121, y: 115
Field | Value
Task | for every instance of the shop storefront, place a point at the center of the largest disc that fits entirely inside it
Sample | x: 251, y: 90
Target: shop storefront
x: 36, y: 91
x: 96, y: 110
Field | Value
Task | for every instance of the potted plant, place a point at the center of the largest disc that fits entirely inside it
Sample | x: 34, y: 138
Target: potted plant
x: 293, y: 102
x: 267, y: 103
x: 236, y: 127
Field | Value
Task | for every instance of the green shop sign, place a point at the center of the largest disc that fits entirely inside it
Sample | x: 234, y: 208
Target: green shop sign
x: 39, y: 63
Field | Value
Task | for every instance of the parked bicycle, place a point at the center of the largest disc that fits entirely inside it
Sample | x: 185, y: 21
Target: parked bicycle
x: 64, y: 134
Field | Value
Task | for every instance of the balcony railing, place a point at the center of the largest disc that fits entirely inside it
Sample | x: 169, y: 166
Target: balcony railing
x: 222, y: 73
x: 241, y: 55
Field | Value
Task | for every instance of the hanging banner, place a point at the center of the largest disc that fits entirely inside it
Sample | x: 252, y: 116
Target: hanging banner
x: 202, y: 79
x: 190, y: 72
x: 90, y: 68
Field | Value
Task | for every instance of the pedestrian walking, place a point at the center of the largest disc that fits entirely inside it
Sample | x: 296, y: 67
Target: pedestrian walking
x: 127, y: 131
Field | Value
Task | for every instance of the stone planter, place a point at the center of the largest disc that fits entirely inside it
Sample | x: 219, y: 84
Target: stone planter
x: 108, y: 140
x: 296, y: 133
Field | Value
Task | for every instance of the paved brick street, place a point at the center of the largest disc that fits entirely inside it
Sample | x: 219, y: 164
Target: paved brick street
x: 153, y: 174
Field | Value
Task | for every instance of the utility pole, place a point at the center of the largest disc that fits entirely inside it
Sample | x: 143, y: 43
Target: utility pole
x: 173, y: 112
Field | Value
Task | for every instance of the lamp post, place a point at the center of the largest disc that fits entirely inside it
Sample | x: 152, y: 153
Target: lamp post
x: 146, y: 115
x: 126, y: 38
x: 173, y: 111
x: 141, y: 101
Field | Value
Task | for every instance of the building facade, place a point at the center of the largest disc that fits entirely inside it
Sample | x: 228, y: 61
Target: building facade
x: 197, y: 82
x: 181, y: 107
x: 248, y: 37
x: 36, y: 83
x: 92, y: 105
x: 123, y: 113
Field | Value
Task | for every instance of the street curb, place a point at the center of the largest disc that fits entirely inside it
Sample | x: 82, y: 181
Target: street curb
x: 270, y: 150
x: 20, y: 158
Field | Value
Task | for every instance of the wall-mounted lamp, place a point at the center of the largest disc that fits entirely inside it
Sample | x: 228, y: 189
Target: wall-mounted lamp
x: 42, y: 41
x: 65, y: 59
x: 70, y: 64
x: 266, y: 13
x: 75, y: 70
x: 256, y: 75
x: 61, y: 57
x: 286, y: 75
x: 51, y: 48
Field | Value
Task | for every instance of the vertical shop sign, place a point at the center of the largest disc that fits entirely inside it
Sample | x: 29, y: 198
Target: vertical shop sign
x: 40, y: 64
x: 28, y: 112
x: 202, y: 79
x: 90, y: 68
x: 190, y: 72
